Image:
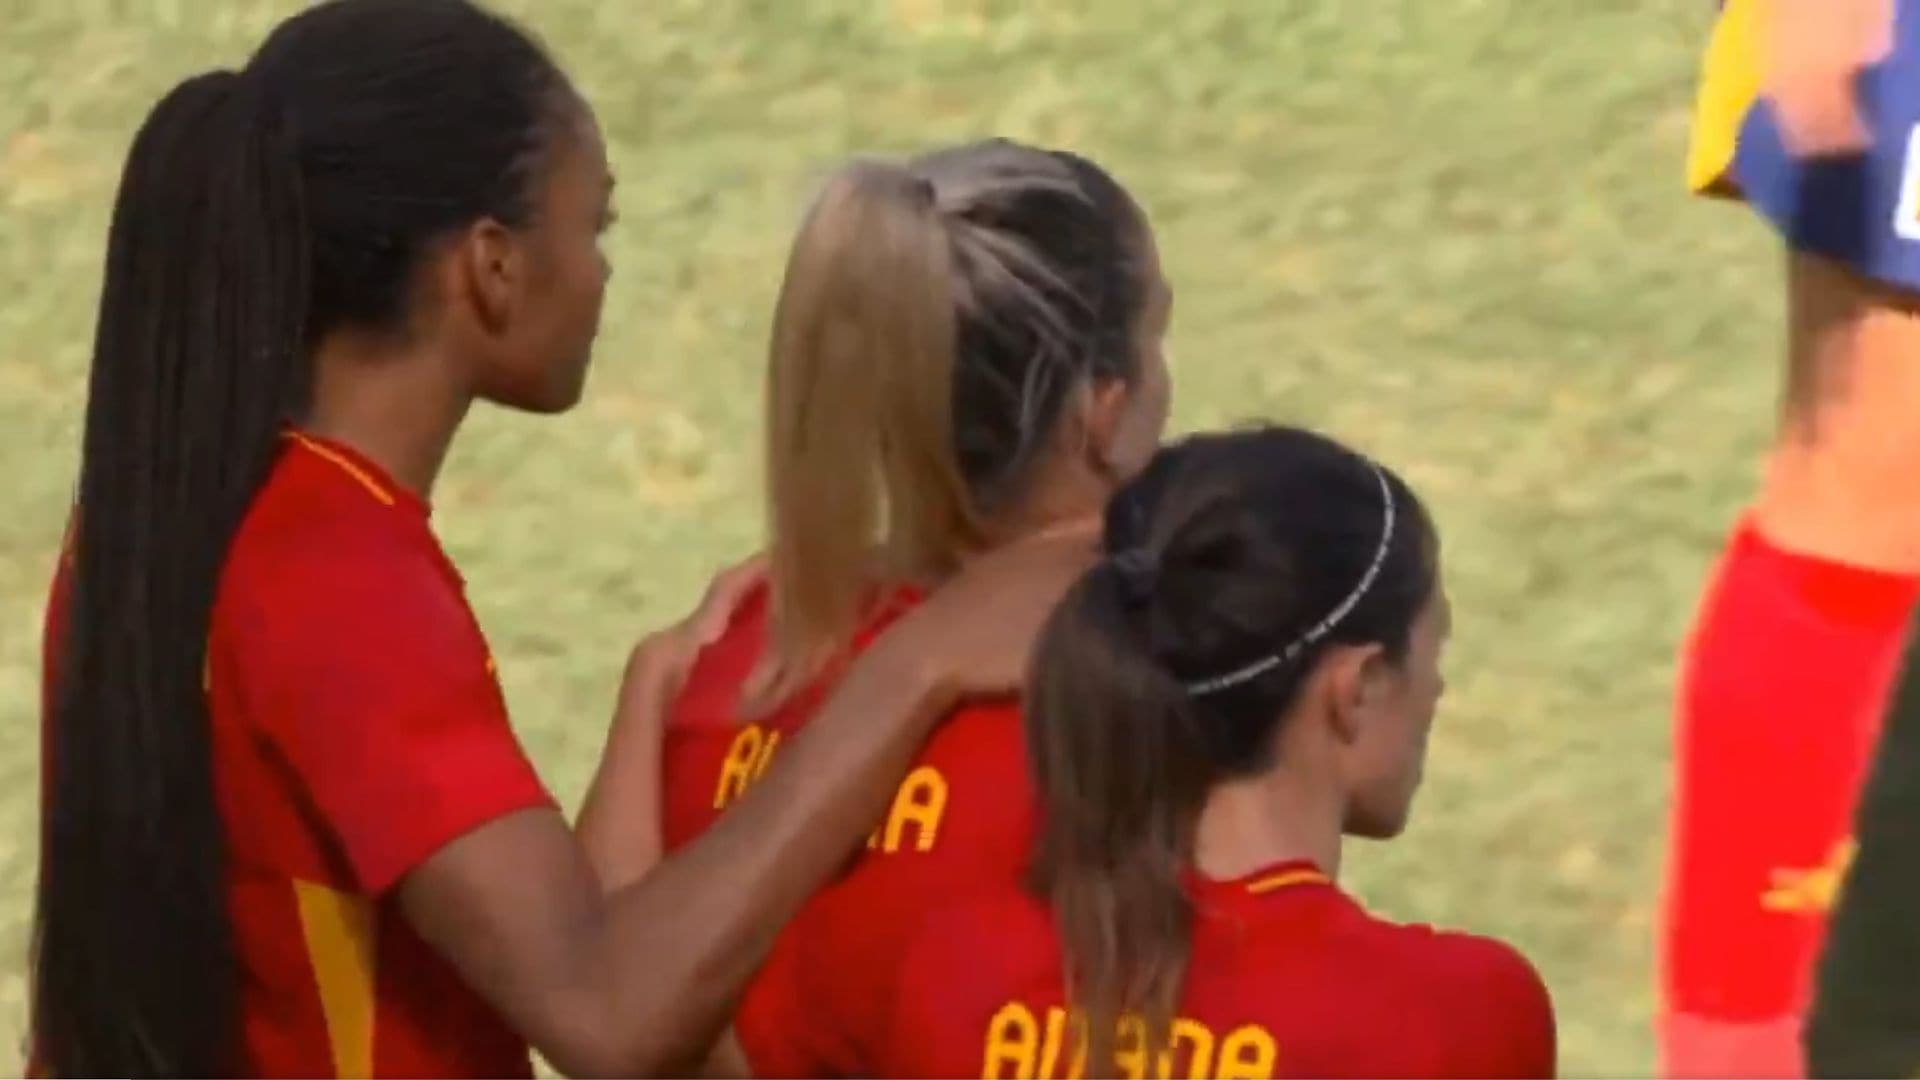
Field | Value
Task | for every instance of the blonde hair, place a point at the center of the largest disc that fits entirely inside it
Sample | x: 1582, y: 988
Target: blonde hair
x: 933, y: 317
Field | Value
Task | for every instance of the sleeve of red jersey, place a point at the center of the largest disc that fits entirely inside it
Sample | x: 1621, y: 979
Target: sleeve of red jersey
x: 374, y: 684
x: 1506, y: 1015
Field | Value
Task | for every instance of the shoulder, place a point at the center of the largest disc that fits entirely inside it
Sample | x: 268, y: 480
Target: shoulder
x: 306, y: 543
x: 312, y: 519
x: 1474, y: 964
x: 988, y: 732
x: 972, y: 777
x: 1496, y: 1008
x: 1449, y: 960
x: 323, y: 582
x: 710, y: 696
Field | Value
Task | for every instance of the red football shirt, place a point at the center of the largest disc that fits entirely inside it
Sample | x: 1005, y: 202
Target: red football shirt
x: 962, y: 819
x: 710, y: 754
x: 357, y: 728
x: 1289, y: 977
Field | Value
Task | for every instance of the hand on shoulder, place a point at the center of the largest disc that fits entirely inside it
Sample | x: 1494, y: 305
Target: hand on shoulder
x: 974, y: 635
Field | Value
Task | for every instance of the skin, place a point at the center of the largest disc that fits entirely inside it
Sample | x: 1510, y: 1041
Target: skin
x: 1811, y: 50
x: 640, y: 980
x: 1347, y: 759
x: 1837, y: 478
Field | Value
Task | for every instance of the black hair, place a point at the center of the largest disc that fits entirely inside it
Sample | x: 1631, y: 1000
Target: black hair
x: 258, y: 211
x: 1234, y: 562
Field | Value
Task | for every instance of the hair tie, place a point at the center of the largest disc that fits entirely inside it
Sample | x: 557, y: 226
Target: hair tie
x: 1138, y: 572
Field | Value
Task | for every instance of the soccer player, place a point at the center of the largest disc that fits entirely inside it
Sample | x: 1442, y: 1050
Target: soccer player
x: 1807, y: 111
x: 1250, y: 674
x: 287, y: 828
x: 966, y: 351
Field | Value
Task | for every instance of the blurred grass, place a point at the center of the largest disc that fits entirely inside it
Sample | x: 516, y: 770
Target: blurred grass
x: 1450, y: 230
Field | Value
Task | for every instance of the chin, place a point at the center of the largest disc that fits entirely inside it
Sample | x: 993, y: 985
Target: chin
x: 556, y: 404
x: 1376, y: 826
x: 544, y: 400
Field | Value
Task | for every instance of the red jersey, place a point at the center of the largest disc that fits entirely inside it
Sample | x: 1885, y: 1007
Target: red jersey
x: 963, y: 818
x: 710, y: 755
x: 1288, y: 977
x: 357, y: 728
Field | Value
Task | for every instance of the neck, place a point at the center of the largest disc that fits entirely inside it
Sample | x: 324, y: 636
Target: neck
x: 1280, y: 816
x: 1054, y: 504
x: 396, y: 406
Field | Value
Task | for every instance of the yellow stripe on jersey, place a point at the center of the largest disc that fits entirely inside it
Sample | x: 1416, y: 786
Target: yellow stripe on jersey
x: 339, y: 929
x: 1729, y: 84
x: 360, y: 475
x: 1286, y: 879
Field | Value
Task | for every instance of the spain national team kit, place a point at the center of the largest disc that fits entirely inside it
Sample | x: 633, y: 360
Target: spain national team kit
x: 1288, y: 976
x: 357, y: 728
x: 926, y: 956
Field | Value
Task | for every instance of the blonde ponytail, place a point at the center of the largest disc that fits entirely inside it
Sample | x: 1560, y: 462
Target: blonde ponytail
x: 861, y: 476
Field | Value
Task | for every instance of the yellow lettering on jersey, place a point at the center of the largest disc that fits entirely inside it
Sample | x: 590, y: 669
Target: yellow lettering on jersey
x: 1012, y: 1037
x: 1809, y: 891
x: 1130, y: 1048
x: 919, y: 803
x: 741, y: 764
x: 1247, y: 1053
x: 1056, y: 1030
x: 766, y: 754
x: 1199, y: 1043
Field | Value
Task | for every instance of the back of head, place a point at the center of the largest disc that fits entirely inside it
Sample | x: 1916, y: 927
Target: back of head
x: 259, y: 211
x: 1235, y: 562
x: 936, y: 318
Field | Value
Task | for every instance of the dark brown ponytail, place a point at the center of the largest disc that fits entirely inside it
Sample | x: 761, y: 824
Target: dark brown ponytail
x: 1167, y: 669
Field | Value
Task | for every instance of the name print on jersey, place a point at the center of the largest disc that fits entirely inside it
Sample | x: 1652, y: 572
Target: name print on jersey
x: 913, y: 819
x: 1021, y: 1045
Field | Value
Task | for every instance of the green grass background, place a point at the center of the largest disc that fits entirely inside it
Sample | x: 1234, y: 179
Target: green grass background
x: 1452, y: 231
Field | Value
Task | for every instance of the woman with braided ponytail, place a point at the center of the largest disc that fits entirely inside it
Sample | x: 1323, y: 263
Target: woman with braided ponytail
x: 288, y: 828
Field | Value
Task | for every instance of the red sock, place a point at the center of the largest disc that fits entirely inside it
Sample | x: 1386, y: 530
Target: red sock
x: 1780, y: 695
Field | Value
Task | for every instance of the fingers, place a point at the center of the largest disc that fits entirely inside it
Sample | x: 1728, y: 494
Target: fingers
x: 724, y: 593
x: 1819, y: 118
x: 1813, y: 49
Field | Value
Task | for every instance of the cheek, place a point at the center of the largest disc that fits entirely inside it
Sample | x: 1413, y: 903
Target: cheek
x: 563, y: 316
x: 572, y: 305
x: 1404, y: 760
x: 585, y: 280
x: 1146, y: 419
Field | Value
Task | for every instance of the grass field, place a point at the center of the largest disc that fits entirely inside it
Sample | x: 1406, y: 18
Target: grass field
x: 1450, y: 230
